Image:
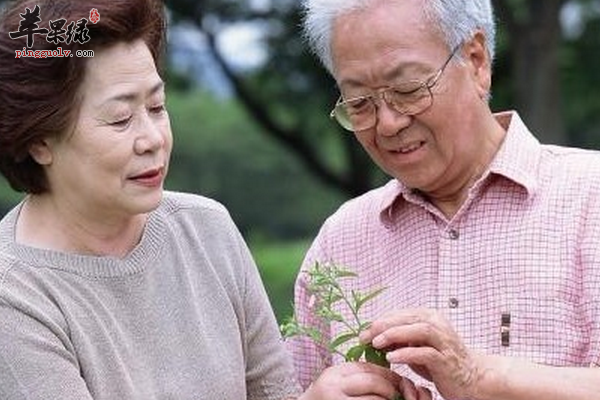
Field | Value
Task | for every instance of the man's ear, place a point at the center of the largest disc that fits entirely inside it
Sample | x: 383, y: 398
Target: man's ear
x: 41, y: 152
x: 477, y: 56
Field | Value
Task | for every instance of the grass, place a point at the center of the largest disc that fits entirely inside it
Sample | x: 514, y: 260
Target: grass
x: 278, y: 263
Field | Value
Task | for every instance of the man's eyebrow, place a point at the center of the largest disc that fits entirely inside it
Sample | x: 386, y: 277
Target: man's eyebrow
x: 414, y: 70
x: 400, y: 71
x: 132, y: 96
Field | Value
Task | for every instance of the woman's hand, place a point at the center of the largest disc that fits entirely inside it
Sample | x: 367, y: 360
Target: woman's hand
x: 362, y: 381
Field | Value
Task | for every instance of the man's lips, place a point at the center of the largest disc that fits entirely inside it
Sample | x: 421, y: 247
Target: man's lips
x: 409, y: 148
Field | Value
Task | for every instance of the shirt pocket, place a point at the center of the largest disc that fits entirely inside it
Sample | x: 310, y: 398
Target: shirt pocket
x: 548, y: 331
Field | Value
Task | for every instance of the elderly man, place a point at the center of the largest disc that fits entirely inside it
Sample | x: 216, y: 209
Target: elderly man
x: 488, y: 242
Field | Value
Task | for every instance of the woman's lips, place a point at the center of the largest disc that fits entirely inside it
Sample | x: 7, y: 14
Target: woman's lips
x: 150, y: 178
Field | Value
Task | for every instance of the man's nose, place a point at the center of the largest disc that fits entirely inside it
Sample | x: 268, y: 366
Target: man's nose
x: 390, y: 121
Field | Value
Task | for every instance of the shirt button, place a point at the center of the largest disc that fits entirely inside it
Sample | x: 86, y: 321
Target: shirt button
x: 453, y: 302
x: 453, y: 234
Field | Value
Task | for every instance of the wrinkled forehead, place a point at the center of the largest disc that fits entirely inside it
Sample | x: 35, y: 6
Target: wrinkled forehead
x: 384, y: 38
x: 124, y: 70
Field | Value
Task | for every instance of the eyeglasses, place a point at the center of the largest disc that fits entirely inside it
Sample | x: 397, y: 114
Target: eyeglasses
x: 409, y: 98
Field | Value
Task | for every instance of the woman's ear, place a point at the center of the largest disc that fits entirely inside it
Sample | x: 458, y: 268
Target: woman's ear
x: 41, y: 152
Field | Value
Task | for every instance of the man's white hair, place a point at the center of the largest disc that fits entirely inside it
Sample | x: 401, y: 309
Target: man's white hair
x: 456, y: 20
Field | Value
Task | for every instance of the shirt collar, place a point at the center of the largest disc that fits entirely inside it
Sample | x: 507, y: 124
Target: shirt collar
x: 517, y: 160
x: 519, y: 155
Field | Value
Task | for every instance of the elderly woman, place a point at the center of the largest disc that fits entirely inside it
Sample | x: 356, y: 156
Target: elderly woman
x: 111, y: 288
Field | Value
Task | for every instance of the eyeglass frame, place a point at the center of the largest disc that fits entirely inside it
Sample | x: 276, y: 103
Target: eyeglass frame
x: 428, y: 84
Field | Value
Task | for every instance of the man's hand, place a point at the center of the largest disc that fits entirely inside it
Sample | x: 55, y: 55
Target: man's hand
x: 427, y: 342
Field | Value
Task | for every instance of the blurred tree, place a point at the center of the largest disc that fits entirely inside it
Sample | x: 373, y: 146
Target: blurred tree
x: 538, y: 71
x: 290, y: 95
x: 218, y: 151
x: 533, y: 33
x: 581, y: 63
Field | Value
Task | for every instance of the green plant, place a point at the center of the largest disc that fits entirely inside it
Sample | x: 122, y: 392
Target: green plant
x: 324, y: 285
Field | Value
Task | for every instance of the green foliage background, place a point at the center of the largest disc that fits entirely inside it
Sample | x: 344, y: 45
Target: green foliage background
x: 220, y: 153
x: 276, y: 201
x: 278, y: 263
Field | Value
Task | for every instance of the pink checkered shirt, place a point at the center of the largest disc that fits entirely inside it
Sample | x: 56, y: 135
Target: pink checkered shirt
x: 526, y: 243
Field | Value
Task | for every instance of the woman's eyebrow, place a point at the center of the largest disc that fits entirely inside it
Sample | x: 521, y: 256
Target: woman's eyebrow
x: 130, y: 96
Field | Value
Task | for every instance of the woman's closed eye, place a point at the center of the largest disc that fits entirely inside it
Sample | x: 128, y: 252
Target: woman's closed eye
x: 121, y: 122
x: 157, y: 109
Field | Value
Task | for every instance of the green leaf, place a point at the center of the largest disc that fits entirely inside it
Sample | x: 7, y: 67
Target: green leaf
x: 376, y: 356
x: 331, y: 304
x: 342, y: 273
x: 355, y: 353
x: 290, y: 327
x: 368, y: 297
x: 330, y: 315
x: 364, y: 325
x: 313, y: 333
x: 333, y: 298
x: 341, y: 339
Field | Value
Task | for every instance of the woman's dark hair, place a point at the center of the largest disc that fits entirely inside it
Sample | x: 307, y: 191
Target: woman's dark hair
x: 38, y: 96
